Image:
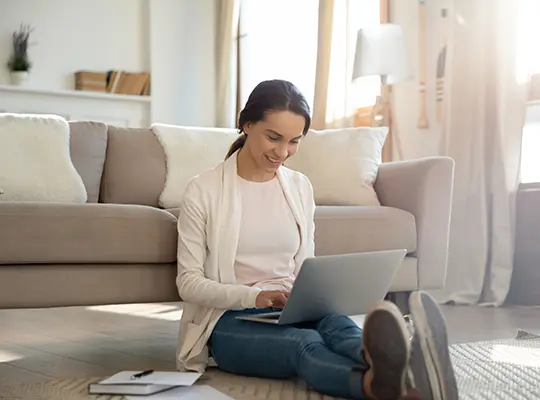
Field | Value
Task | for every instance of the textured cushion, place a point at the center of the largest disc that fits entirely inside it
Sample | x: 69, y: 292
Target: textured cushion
x: 88, y: 145
x: 134, y: 171
x: 35, y: 162
x: 342, y: 164
x: 188, y: 152
x: 356, y: 229
x: 44, y: 233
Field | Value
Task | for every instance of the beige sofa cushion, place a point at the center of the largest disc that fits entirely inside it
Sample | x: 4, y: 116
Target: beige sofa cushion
x: 340, y: 229
x: 134, y: 171
x: 34, y: 233
x: 88, y: 145
x: 342, y: 164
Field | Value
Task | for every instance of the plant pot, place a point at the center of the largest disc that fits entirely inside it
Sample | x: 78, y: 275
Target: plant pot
x: 19, y: 77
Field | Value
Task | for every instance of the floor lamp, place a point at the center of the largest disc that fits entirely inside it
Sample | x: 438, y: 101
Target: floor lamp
x: 380, y: 50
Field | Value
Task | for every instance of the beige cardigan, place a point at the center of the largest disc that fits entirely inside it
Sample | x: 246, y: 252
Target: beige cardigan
x: 208, y: 228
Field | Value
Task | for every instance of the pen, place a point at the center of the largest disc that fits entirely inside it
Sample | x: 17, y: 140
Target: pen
x: 142, y: 374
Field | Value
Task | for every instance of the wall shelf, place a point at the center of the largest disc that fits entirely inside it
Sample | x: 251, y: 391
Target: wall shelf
x: 115, y: 109
x: 75, y: 93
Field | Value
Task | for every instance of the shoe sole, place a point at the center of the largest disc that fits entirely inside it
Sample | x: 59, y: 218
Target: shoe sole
x: 430, y: 328
x: 386, y: 343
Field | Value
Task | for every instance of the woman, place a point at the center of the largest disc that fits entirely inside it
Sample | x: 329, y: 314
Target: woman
x: 245, y: 227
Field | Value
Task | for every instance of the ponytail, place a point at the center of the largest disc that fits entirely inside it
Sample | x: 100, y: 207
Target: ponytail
x: 237, y: 145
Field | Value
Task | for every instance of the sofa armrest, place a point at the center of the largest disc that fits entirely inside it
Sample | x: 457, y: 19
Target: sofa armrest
x: 423, y: 187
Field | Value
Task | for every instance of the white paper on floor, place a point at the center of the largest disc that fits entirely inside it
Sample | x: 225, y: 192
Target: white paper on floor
x: 195, y: 392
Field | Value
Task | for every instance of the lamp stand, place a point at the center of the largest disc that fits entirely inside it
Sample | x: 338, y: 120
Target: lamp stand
x: 381, y: 116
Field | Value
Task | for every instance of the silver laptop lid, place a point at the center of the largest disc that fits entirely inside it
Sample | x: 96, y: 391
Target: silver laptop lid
x: 348, y: 284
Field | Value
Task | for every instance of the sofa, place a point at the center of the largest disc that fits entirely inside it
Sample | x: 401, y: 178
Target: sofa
x: 120, y: 246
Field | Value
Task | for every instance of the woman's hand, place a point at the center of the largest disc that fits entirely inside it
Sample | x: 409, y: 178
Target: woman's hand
x: 271, y: 298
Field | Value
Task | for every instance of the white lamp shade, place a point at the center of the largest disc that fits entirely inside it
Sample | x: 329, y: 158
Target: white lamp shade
x: 380, y: 50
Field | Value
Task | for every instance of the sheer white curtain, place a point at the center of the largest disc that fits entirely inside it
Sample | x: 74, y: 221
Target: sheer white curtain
x: 482, y: 132
x: 226, y: 62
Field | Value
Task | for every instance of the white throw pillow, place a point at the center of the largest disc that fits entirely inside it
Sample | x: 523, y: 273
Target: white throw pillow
x: 188, y: 152
x: 342, y: 164
x: 35, y: 162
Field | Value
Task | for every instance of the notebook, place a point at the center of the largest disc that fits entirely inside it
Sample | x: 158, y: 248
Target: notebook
x: 155, y: 382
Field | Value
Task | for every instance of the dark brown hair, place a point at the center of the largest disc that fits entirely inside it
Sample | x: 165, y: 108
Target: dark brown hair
x: 272, y: 95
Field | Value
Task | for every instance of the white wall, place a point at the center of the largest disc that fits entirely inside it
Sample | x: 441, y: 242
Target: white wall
x: 174, y: 39
x: 76, y: 34
x: 417, y: 142
x: 182, y: 43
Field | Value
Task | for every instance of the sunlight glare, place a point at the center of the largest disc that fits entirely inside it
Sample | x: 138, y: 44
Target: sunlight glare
x: 516, y: 355
x: 8, y: 356
x: 528, y: 31
x: 155, y: 311
x: 530, y: 162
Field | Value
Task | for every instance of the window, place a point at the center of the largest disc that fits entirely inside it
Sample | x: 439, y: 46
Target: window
x: 530, y: 162
x: 528, y: 64
x: 279, y: 41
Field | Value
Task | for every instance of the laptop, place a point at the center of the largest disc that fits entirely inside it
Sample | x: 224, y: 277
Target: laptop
x: 347, y: 284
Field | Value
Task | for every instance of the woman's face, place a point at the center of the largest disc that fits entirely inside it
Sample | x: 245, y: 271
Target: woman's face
x: 272, y: 141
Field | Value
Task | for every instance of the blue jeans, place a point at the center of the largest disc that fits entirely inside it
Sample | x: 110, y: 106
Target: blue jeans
x: 327, y: 354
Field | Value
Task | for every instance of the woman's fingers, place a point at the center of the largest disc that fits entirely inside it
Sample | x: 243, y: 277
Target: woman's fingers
x: 279, y: 299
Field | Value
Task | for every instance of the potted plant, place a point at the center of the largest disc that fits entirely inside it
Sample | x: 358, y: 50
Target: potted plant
x: 19, y: 63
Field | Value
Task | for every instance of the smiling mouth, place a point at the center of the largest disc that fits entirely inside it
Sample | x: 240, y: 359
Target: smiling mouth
x: 274, y: 160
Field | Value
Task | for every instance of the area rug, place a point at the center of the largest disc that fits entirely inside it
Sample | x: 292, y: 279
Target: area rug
x: 501, y: 369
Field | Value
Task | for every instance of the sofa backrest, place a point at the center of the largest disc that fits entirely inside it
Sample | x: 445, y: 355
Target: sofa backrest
x: 135, y: 169
x: 118, y: 165
x: 88, y: 145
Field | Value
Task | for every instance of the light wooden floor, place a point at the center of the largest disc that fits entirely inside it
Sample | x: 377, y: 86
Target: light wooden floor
x: 72, y: 342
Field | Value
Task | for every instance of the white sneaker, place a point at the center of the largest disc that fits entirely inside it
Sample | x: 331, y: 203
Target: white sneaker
x: 430, y: 362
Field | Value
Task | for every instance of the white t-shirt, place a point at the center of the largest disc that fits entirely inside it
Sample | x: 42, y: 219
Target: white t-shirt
x: 269, y: 237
